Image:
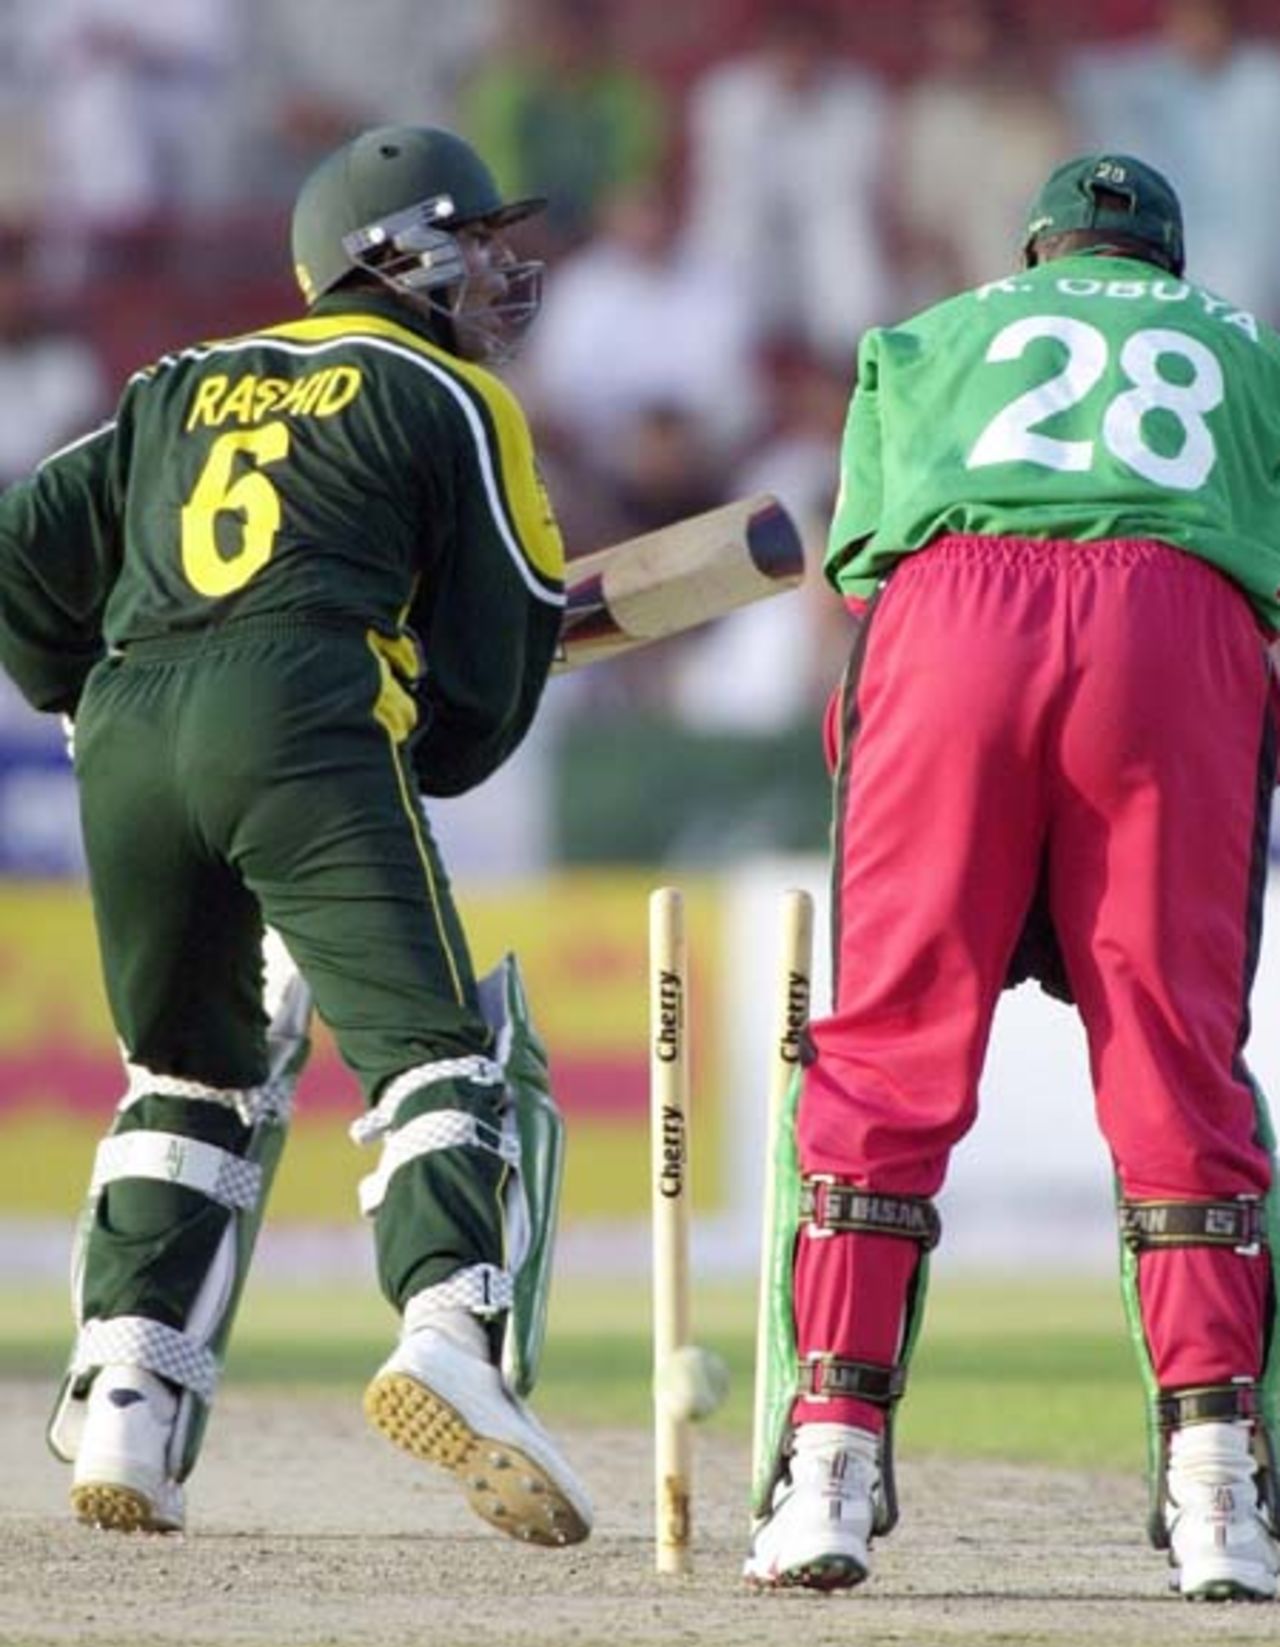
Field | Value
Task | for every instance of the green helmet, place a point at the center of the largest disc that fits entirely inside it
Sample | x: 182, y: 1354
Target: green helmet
x: 1109, y: 193
x: 387, y: 201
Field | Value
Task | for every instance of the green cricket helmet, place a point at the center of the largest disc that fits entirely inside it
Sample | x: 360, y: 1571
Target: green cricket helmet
x: 1109, y: 194
x: 390, y: 202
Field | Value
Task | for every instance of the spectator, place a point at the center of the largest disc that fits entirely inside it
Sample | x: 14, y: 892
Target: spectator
x: 768, y: 667
x: 50, y: 379
x: 664, y: 470
x: 660, y: 469
x: 1202, y: 100
x: 981, y: 108
x: 786, y: 156
x: 22, y: 185
x: 316, y: 70
x: 635, y: 319
x: 561, y: 113
x: 135, y: 95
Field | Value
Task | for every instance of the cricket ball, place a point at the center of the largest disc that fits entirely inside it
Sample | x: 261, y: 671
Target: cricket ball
x: 692, y: 1382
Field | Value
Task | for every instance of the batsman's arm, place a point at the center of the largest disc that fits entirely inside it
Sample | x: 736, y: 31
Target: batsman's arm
x: 59, y: 553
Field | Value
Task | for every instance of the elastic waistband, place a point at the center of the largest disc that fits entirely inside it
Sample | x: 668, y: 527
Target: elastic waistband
x: 189, y: 643
x: 974, y: 546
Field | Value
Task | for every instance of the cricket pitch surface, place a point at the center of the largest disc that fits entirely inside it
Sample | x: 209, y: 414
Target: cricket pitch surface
x: 307, y: 1530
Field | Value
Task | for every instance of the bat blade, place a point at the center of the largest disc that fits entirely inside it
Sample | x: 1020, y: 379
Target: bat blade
x: 674, y: 579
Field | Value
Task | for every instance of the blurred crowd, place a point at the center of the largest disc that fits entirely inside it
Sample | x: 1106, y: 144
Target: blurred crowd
x: 738, y: 189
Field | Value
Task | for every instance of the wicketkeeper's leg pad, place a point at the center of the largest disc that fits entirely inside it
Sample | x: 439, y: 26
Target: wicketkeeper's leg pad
x: 1246, y: 1225
x: 168, y: 1133
x: 824, y: 1206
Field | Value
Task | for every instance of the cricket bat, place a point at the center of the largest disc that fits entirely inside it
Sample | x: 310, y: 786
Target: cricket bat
x: 671, y: 580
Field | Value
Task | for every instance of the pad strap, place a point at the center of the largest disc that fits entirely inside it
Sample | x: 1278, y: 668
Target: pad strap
x: 273, y: 1100
x: 1147, y: 1225
x: 483, y: 1289
x: 381, y: 1118
x: 437, y: 1129
x: 169, y: 1156
x: 824, y: 1376
x: 831, y: 1207
x: 140, y: 1342
x: 1206, y: 1404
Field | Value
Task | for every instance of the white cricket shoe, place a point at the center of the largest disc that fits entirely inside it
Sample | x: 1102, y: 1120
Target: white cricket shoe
x: 1219, y: 1540
x: 441, y: 1399
x: 817, y: 1533
x: 122, y: 1481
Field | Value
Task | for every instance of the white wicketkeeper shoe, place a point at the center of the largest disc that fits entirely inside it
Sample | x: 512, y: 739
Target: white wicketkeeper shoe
x: 121, y: 1479
x: 441, y: 1399
x: 1219, y: 1539
x: 818, y: 1530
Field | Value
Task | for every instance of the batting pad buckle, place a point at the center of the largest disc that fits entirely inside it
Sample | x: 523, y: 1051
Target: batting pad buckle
x: 830, y: 1207
x: 482, y: 1289
x: 824, y: 1377
x: 1206, y: 1404
x: 1238, y: 1224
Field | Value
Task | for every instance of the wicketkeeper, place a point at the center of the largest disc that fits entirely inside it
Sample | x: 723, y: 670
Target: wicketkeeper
x: 1054, y: 753
x: 301, y: 577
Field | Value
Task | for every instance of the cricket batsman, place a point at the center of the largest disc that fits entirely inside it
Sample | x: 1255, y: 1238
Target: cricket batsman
x: 302, y: 578
x: 1054, y: 752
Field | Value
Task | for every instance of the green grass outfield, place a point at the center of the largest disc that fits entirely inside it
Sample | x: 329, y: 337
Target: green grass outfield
x: 1005, y: 1369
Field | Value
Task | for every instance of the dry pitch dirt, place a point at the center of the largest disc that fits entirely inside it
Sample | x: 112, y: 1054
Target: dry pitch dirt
x: 306, y: 1529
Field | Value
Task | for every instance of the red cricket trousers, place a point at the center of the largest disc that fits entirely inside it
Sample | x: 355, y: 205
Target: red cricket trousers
x: 1101, y: 709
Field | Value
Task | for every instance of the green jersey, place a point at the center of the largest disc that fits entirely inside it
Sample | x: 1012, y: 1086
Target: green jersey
x: 1090, y: 397
x: 341, y: 468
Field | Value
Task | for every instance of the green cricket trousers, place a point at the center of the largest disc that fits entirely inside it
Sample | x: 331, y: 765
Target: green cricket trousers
x: 256, y: 773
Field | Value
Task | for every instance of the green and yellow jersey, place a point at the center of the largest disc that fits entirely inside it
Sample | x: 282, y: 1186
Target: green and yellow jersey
x: 337, y: 467
x: 1091, y: 397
